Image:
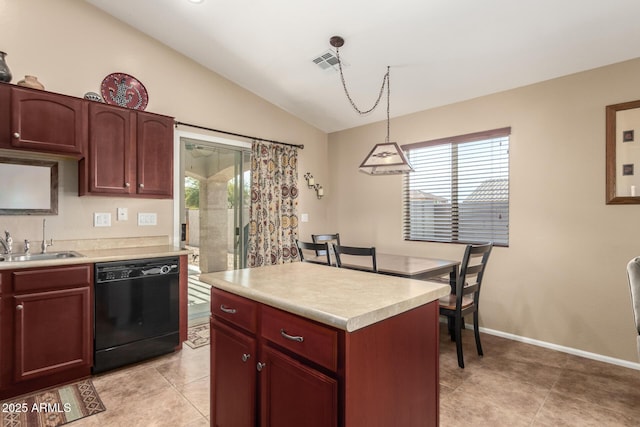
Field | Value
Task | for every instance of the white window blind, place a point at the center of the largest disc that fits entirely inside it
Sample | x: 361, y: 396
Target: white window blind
x: 459, y: 190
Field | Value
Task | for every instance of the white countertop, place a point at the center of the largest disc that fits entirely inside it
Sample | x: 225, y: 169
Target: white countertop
x: 342, y: 298
x: 100, y: 255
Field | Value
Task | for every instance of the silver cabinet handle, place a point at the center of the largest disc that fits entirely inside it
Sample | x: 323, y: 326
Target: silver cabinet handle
x: 141, y: 185
x: 245, y: 357
x: 16, y: 135
x: 291, y: 337
x: 19, y: 307
x: 260, y: 366
x: 227, y: 310
x: 126, y: 184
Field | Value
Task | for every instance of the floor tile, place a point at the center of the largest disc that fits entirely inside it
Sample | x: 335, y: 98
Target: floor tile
x: 166, y: 408
x: 563, y: 410
x: 198, y: 393
x: 493, y: 398
x: 193, y: 366
x: 121, y: 386
x: 531, y: 371
x: 612, y: 387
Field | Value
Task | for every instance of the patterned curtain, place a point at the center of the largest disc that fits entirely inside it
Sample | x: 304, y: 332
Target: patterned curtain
x: 273, y: 215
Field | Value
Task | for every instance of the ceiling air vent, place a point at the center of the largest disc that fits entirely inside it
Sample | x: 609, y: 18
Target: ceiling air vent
x: 328, y: 60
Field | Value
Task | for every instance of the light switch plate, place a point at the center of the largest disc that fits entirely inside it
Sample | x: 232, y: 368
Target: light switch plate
x: 101, y: 219
x: 147, y: 218
x: 304, y: 217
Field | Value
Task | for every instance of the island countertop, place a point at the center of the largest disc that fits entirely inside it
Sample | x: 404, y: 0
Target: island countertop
x: 342, y: 298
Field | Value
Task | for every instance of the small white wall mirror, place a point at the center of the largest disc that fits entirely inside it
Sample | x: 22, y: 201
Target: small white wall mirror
x: 28, y: 187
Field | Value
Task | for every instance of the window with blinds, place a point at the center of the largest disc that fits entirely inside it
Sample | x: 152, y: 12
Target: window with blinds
x: 459, y: 190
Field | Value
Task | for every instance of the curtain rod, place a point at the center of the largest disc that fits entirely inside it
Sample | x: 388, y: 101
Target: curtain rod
x: 177, y: 123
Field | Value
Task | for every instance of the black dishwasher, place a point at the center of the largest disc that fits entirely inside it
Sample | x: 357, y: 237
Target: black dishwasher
x: 136, y: 311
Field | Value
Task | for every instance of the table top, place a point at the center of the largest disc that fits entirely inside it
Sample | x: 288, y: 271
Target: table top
x: 400, y: 265
x: 343, y: 298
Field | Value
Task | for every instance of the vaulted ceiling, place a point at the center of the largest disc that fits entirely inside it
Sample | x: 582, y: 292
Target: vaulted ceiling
x: 439, y: 51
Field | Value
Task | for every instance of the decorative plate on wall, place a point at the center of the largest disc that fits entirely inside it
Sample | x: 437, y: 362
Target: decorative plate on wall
x: 124, y: 90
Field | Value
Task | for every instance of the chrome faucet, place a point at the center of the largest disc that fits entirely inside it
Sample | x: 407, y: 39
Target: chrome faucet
x: 7, y: 242
x: 27, y: 247
x: 45, y: 245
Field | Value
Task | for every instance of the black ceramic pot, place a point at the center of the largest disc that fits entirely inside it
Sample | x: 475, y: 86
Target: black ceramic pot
x: 5, y: 73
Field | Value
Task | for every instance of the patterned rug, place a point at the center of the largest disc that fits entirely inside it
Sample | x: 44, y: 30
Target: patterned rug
x: 53, y: 407
x: 198, y: 335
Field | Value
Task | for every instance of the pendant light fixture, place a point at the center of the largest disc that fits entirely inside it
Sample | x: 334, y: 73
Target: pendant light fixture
x: 385, y: 158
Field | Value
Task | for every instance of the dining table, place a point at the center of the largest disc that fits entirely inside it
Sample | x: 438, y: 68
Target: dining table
x: 412, y: 267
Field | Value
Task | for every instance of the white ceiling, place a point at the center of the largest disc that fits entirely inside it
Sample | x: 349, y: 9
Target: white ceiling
x: 440, y: 51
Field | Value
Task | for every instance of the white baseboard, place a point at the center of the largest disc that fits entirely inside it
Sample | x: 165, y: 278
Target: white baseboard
x: 569, y: 350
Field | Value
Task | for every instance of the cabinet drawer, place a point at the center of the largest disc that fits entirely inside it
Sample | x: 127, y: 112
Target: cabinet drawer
x: 237, y: 310
x: 311, y: 340
x: 51, y: 278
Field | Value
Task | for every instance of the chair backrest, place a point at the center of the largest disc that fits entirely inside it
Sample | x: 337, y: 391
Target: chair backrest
x: 474, y: 263
x: 329, y: 238
x: 316, y: 247
x: 633, y: 273
x: 358, y: 251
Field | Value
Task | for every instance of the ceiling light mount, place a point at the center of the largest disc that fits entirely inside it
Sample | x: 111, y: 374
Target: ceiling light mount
x: 387, y: 158
x: 336, y: 41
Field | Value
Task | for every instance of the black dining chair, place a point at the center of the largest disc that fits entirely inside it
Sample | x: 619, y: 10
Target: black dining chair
x: 329, y: 238
x: 358, y: 251
x: 465, y: 297
x: 315, y: 247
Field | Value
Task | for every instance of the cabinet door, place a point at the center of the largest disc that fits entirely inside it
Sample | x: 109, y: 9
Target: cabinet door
x: 155, y: 155
x: 47, y: 122
x: 293, y: 394
x: 52, y: 332
x: 3, y: 350
x: 111, y: 151
x: 5, y: 116
x: 233, y: 377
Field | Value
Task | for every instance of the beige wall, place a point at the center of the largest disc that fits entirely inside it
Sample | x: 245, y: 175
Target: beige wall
x: 71, y: 46
x: 562, y: 279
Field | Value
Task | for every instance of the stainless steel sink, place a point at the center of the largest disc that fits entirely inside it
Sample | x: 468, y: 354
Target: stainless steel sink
x: 39, y: 257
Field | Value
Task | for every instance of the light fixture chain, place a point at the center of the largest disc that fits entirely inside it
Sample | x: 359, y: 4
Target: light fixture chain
x: 385, y: 80
x: 388, y: 100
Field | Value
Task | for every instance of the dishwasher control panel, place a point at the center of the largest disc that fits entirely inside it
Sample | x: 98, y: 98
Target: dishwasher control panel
x: 122, y: 270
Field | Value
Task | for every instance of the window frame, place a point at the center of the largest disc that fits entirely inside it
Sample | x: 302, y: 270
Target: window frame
x: 455, y: 203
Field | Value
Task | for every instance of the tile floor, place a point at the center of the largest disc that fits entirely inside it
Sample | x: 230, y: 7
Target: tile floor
x: 171, y: 390
x: 513, y: 384
x: 518, y: 384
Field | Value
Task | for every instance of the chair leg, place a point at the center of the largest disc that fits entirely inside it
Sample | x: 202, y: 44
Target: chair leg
x: 476, y: 331
x: 458, y: 333
x: 451, y: 327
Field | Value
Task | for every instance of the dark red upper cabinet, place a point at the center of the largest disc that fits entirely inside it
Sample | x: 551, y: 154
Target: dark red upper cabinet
x: 47, y: 122
x: 130, y: 153
x: 154, y: 155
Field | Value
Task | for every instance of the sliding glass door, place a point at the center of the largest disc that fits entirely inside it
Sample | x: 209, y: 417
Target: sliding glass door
x: 215, y: 212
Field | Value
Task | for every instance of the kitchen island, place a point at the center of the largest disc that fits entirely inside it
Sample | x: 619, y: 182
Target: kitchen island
x: 306, y: 344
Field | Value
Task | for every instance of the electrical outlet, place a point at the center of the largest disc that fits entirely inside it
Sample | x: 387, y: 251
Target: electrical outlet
x: 101, y: 219
x: 123, y: 214
x: 147, y: 218
x: 304, y: 217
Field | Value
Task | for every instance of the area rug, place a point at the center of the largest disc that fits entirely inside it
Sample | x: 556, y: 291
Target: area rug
x: 53, y: 407
x: 198, y: 335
